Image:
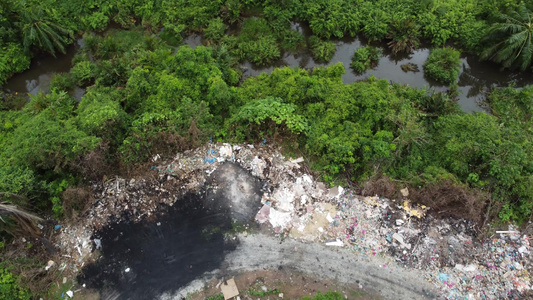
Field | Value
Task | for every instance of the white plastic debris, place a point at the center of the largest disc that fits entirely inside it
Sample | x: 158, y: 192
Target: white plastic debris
x: 263, y: 214
x: 523, y: 250
x: 70, y: 294
x: 467, y: 268
x: 279, y: 219
x: 398, y: 237
x: 336, y: 243
x: 50, y: 264
x: 298, y: 160
x: 98, y: 243
x: 329, y: 218
x: 127, y: 270
x: 226, y: 151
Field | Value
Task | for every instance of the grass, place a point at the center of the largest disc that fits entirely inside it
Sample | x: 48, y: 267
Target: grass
x: 259, y: 292
x: 218, y: 296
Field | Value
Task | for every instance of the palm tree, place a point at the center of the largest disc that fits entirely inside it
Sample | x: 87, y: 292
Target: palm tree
x: 514, y: 35
x: 16, y: 220
x: 38, y: 31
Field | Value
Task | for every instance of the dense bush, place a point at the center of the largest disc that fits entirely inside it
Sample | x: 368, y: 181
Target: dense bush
x: 443, y: 65
x: 9, y: 289
x: 256, y: 42
x: 365, y: 58
x: 215, y: 30
x: 12, y: 60
x: 321, y: 50
x: 266, y: 117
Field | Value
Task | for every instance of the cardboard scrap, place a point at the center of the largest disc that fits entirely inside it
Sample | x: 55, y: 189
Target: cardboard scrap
x: 229, y: 289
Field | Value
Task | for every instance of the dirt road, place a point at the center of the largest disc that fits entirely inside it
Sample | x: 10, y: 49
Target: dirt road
x: 261, y: 251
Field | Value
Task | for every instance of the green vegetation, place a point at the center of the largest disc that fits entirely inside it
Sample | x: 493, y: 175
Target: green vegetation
x: 48, y: 25
x: 326, y: 296
x: 258, y: 292
x: 256, y: 42
x: 443, y: 65
x: 145, y: 97
x: 404, y: 35
x: 365, y: 58
x: 513, y: 33
x: 218, y: 296
x: 9, y: 288
x: 321, y: 50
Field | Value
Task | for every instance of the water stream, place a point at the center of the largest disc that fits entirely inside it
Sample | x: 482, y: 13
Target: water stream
x: 475, y: 80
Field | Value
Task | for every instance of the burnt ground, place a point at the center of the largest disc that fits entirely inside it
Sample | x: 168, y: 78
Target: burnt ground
x: 141, y: 260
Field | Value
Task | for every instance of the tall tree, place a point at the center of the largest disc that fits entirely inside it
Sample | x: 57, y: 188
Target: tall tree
x: 513, y: 33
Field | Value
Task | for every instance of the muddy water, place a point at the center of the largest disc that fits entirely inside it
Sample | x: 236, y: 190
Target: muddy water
x: 148, y: 259
x: 475, y: 79
x: 42, y: 69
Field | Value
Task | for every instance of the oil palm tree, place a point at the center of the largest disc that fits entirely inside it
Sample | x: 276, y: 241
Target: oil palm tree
x: 15, y: 220
x: 513, y: 33
x: 38, y: 31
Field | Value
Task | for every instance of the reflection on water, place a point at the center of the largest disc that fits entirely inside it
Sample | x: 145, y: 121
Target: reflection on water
x: 42, y: 69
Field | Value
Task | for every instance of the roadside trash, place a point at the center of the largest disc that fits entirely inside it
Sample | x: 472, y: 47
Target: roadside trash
x: 263, y: 214
x: 444, y: 277
x: 98, y: 244
x: 70, y: 294
x: 50, y: 264
x: 229, y: 289
x: 127, y: 270
x: 337, y: 243
x: 298, y: 160
x: 57, y: 227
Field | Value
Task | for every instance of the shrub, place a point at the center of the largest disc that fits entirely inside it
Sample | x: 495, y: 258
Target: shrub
x: 404, y: 35
x: 83, y: 73
x: 321, y: 50
x: 326, y: 296
x: 443, y: 65
x: 9, y: 289
x: 291, y: 40
x: 256, y: 42
x: 365, y: 58
x: 12, y: 60
x: 97, y: 21
x: 61, y: 82
x: 264, y: 117
x: 215, y: 30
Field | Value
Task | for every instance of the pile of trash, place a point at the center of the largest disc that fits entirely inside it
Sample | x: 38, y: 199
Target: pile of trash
x: 444, y: 251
